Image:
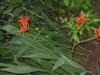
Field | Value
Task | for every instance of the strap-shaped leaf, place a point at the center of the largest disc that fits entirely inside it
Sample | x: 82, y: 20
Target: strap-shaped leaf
x: 59, y: 63
x: 21, y: 69
x: 68, y: 63
x: 11, y: 29
x: 72, y: 63
x: 39, y: 55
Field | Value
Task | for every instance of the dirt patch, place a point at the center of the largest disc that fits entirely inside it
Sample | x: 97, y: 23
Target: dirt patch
x: 88, y: 55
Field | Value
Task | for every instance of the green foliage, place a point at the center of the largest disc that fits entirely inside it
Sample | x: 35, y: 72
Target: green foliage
x: 44, y: 49
x: 86, y: 29
x: 78, y: 4
x: 34, y: 48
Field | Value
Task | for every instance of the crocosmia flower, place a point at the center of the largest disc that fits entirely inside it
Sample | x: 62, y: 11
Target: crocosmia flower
x: 97, y: 31
x: 81, y: 20
x: 23, y: 29
x: 24, y: 25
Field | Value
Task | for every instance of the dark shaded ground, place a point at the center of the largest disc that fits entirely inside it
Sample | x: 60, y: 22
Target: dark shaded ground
x: 88, y: 54
x: 93, y: 56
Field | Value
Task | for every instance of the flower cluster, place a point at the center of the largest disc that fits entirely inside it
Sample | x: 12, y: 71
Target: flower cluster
x: 81, y: 20
x: 79, y: 25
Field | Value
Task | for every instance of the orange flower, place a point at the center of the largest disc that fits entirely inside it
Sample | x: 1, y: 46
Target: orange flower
x: 24, y: 20
x: 24, y: 25
x: 23, y: 29
x: 81, y: 19
x: 97, y: 31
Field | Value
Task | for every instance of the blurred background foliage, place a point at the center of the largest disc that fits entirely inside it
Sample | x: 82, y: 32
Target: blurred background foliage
x: 45, y: 48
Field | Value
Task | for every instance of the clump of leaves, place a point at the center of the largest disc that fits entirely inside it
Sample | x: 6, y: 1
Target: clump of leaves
x: 43, y: 49
x: 33, y: 52
x: 80, y: 27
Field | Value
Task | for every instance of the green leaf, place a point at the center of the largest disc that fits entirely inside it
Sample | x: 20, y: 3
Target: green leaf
x: 69, y: 63
x: 11, y: 29
x: 6, y: 73
x: 66, y: 2
x: 39, y: 55
x: 21, y: 69
x: 75, y: 37
x: 5, y: 65
x: 49, y: 23
x: 59, y: 63
x: 72, y: 63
